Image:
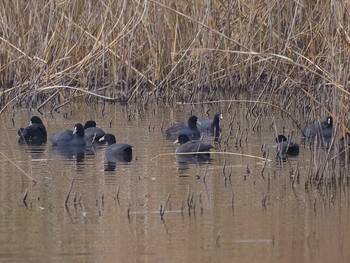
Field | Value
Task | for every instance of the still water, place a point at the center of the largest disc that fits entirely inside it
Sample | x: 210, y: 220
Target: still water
x: 235, y: 208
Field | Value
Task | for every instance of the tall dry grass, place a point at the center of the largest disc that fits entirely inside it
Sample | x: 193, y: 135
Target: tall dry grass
x: 297, y: 51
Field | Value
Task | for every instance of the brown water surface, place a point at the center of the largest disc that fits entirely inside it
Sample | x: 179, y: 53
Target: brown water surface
x: 237, y: 214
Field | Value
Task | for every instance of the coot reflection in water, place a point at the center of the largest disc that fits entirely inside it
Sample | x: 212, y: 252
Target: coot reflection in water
x: 72, y: 152
x: 185, y: 161
x: 37, y: 152
x: 112, y: 162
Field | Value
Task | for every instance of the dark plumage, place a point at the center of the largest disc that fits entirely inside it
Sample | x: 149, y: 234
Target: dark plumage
x: 190, y: 129
x: 35, y: 131
x: 69, y: 138
x: 285, y: 147
x: 211, y: 126
x: 116, y: 151
x: 92, y: 132
x: 195, y: 146
x: 323, y: 131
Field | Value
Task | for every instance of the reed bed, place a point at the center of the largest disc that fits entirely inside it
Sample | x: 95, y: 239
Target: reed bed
x: 293, y: 55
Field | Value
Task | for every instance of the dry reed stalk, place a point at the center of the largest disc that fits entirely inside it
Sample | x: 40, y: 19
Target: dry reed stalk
x: 69, y: 192
x: 131, y: 47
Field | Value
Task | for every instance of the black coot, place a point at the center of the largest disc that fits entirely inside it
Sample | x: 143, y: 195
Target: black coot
x: 190, y: 129
x: 116, y: 152
x: 69, y: 138
x: 323, y: 131
x: 286, y: 147
x: 195, y: 146
x: 211, y: 126
x: 34, y: 132
x: 92, y: 132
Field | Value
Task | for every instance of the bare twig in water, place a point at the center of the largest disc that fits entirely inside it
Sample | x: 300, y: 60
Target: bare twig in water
x: 116, y: 197
x: 69, y: 191
x: 217, y: 239
x: 24, y: 200
x: 128, y: 212
x: 162, y: 210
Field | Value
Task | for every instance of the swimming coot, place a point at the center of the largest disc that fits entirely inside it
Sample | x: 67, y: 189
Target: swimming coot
x: 35, y: 131
x: 286, y: 147
x: 211, y: 126
x: 190, y: 129
x: 69, y: 138
x: 322, y: 131
x: 116, y: 151
x: 194, y: 146
x: 92, y: 132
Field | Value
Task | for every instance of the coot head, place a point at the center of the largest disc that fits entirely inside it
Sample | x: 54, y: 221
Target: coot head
x: 193, y: 121
x: 89, y: 124
x: 217, y: 118
x: 36, y: 120
x: 329, y: 121
x: 109, y: 138
x: 281, y: 138
x: 78, y: 129
x: 183, y: 138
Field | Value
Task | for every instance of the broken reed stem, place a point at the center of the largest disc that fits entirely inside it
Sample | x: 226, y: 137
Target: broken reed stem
x: 223, y: 168
x: 69, y: 191
x: 217, y: 239
x: 116, y: 197
x: 188, y: 195
x: 162, y: 210
x: 24, y: 200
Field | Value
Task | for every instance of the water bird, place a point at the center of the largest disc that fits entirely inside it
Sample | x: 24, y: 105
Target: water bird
x: 190, y: 129
x: 116, y: 152
x: 322, y: 131
x: 34, y: 132
x: 286, y: 147
x: 211, y: 126
x: 69, y: 137
x: 194, y: 146
x: 92, y: 132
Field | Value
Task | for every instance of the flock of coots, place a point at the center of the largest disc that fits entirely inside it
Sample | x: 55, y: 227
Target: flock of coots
x: 320, y: 132
x: 187, y: 135
x: 77, y: 139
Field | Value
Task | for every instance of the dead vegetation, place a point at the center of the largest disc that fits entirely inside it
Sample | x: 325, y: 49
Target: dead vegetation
x: 188, y: 51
